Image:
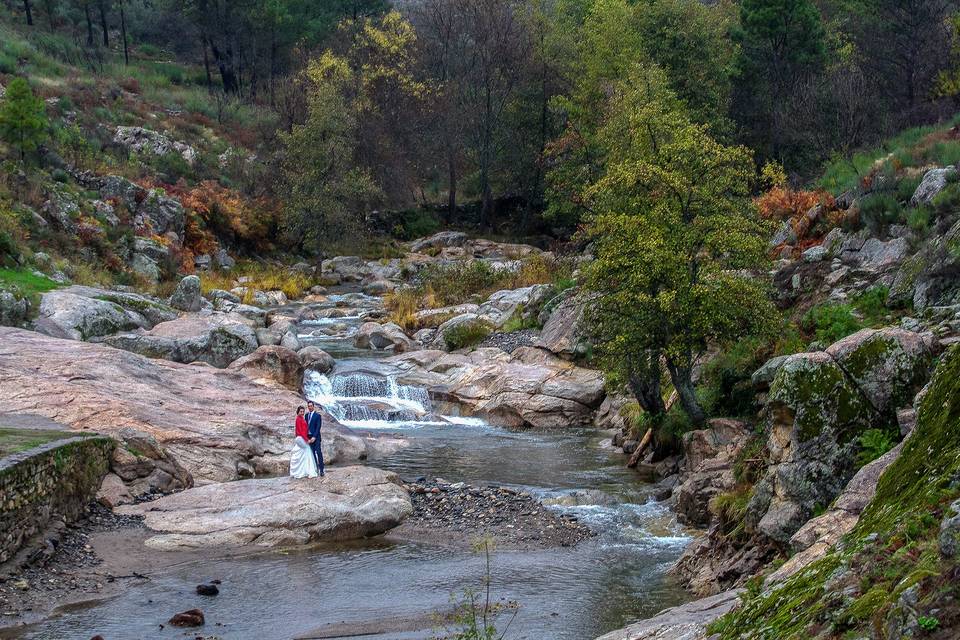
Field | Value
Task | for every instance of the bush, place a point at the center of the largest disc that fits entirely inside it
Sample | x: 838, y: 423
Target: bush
x: 466, y: 334
x: 417, y: 223
x: 402, y: 305
x: 726, y: 388
x: 918, y: 218
x: 907, y: 186
x: 830, y: 321
x: 872, y: 304
x: 456, y: 283
x: 948, y: 200
x: 880, y: 209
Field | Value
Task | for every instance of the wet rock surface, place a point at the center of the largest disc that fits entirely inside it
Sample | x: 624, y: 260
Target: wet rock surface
x: 458, y: 513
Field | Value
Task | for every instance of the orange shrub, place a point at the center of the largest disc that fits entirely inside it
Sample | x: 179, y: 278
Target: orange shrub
x: 781, y: 203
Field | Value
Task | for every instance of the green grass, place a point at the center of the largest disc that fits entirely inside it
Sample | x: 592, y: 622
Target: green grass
x: 26, y: 282
x: 910, y: 148
x: 17, y: 440
x: 466, y: 335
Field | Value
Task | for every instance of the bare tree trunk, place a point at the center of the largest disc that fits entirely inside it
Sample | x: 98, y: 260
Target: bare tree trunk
x: 682, y: 378
x: 641, y: 447
x: 102, y: 5
x: 29, y: 12
x: 206, y: 63
x: 644, y: 382
x: 86, y: 11
x: 123, y: 31
x: 49, y: 7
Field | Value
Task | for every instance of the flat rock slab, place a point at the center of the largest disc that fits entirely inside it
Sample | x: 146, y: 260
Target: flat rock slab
x: 348, y: 503
x: 219, y: 424
x: 685, y: 622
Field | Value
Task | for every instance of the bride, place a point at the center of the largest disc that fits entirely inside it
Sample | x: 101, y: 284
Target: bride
x: 302, y: 464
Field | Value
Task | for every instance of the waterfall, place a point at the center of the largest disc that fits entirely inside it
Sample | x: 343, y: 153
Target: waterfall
x: 363, y: 400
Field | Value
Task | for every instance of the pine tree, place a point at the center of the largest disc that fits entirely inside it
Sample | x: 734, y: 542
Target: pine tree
x: 23, y: 119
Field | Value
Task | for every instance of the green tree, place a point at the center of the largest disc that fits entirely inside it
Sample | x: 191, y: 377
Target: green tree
x: 609, y: 45
x: 673, y: 230
x: 781, y: 46
x: 691, y: 42
x: 326, y: 193
x: 23, y: 118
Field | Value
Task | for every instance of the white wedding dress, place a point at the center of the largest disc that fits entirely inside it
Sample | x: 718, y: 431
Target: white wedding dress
x: 302, y: 463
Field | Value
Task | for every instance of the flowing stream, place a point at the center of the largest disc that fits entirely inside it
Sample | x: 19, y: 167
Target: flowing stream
x: 563, y: 594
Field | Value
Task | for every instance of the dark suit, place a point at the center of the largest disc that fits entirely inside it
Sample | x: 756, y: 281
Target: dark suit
x: 313, y: 430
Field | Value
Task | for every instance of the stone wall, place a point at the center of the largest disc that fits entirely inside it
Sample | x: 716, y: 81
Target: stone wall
x: 51, y: 482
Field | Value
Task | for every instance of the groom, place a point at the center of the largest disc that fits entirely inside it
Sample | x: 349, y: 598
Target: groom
x: 313, y: 432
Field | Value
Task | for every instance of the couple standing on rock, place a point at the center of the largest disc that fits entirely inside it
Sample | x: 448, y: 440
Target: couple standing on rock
x: 306, y: 460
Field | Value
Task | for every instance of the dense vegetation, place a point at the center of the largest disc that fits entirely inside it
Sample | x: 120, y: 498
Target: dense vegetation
x: 436, y: 102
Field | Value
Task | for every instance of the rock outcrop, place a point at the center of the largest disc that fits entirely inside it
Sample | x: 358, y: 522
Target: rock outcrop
x: 217, y: 424
x: 685, y: 622
x: 818, y: 405
x: 560, y: 333
x: 529, y: 387
x: 81, y: 313
x: 348, y: 503
x: 272, y: 364
x: 216, y: 339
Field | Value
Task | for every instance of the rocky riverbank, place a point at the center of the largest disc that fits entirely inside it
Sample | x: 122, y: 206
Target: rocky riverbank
x: 459, y: 514
x: 67, y: 568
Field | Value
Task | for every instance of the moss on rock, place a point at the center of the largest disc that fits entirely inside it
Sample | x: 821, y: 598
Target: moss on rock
x: 888, y: 574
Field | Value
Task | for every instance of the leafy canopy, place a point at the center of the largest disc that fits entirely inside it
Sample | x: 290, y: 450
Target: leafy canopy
x: 673, y: 228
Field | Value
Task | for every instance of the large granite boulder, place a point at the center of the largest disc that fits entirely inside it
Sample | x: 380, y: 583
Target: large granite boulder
x: 932, y: 276
x: 65, y: 314
x: 373, y: 335
x: 527, y: 388
x: 159, y: 214
x: 145, y: 466
x: 217, y: 424
x: 349, y: 503
x: 439, y: 240
x: 709, y: 456
x: 502, y: 305
x: 560, y: 333
x: 316, y: 359
x: 684, y: 622
x: 14, y: 308
x: 887, y: 365
x: 818, y: 406
x: 81, y: 313
x: 217, y: 339
x: 149, y: 142
x: 934, y: 181
x: 187, y: 296
x: 274, y: 364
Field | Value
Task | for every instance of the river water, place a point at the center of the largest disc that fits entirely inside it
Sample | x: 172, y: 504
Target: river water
x: 562, y: 594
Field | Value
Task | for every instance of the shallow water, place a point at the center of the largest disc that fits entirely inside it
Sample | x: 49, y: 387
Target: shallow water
x: 563, y: 594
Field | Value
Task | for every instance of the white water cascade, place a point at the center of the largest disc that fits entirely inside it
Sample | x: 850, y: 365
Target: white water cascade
x: 367, y: 401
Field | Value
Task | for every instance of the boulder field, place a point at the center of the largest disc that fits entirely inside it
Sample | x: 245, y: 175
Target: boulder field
x: 348, y: 503
x: 218, y: 424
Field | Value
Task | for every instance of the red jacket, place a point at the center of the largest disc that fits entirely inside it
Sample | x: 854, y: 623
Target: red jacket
x: 302, y: 428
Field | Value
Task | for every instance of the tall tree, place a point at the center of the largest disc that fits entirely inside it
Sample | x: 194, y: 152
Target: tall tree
x: 902, y: 45
x: 23, y: 119
x: 673, y: 228
x: 326, y: 194
x: 781, y: 47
